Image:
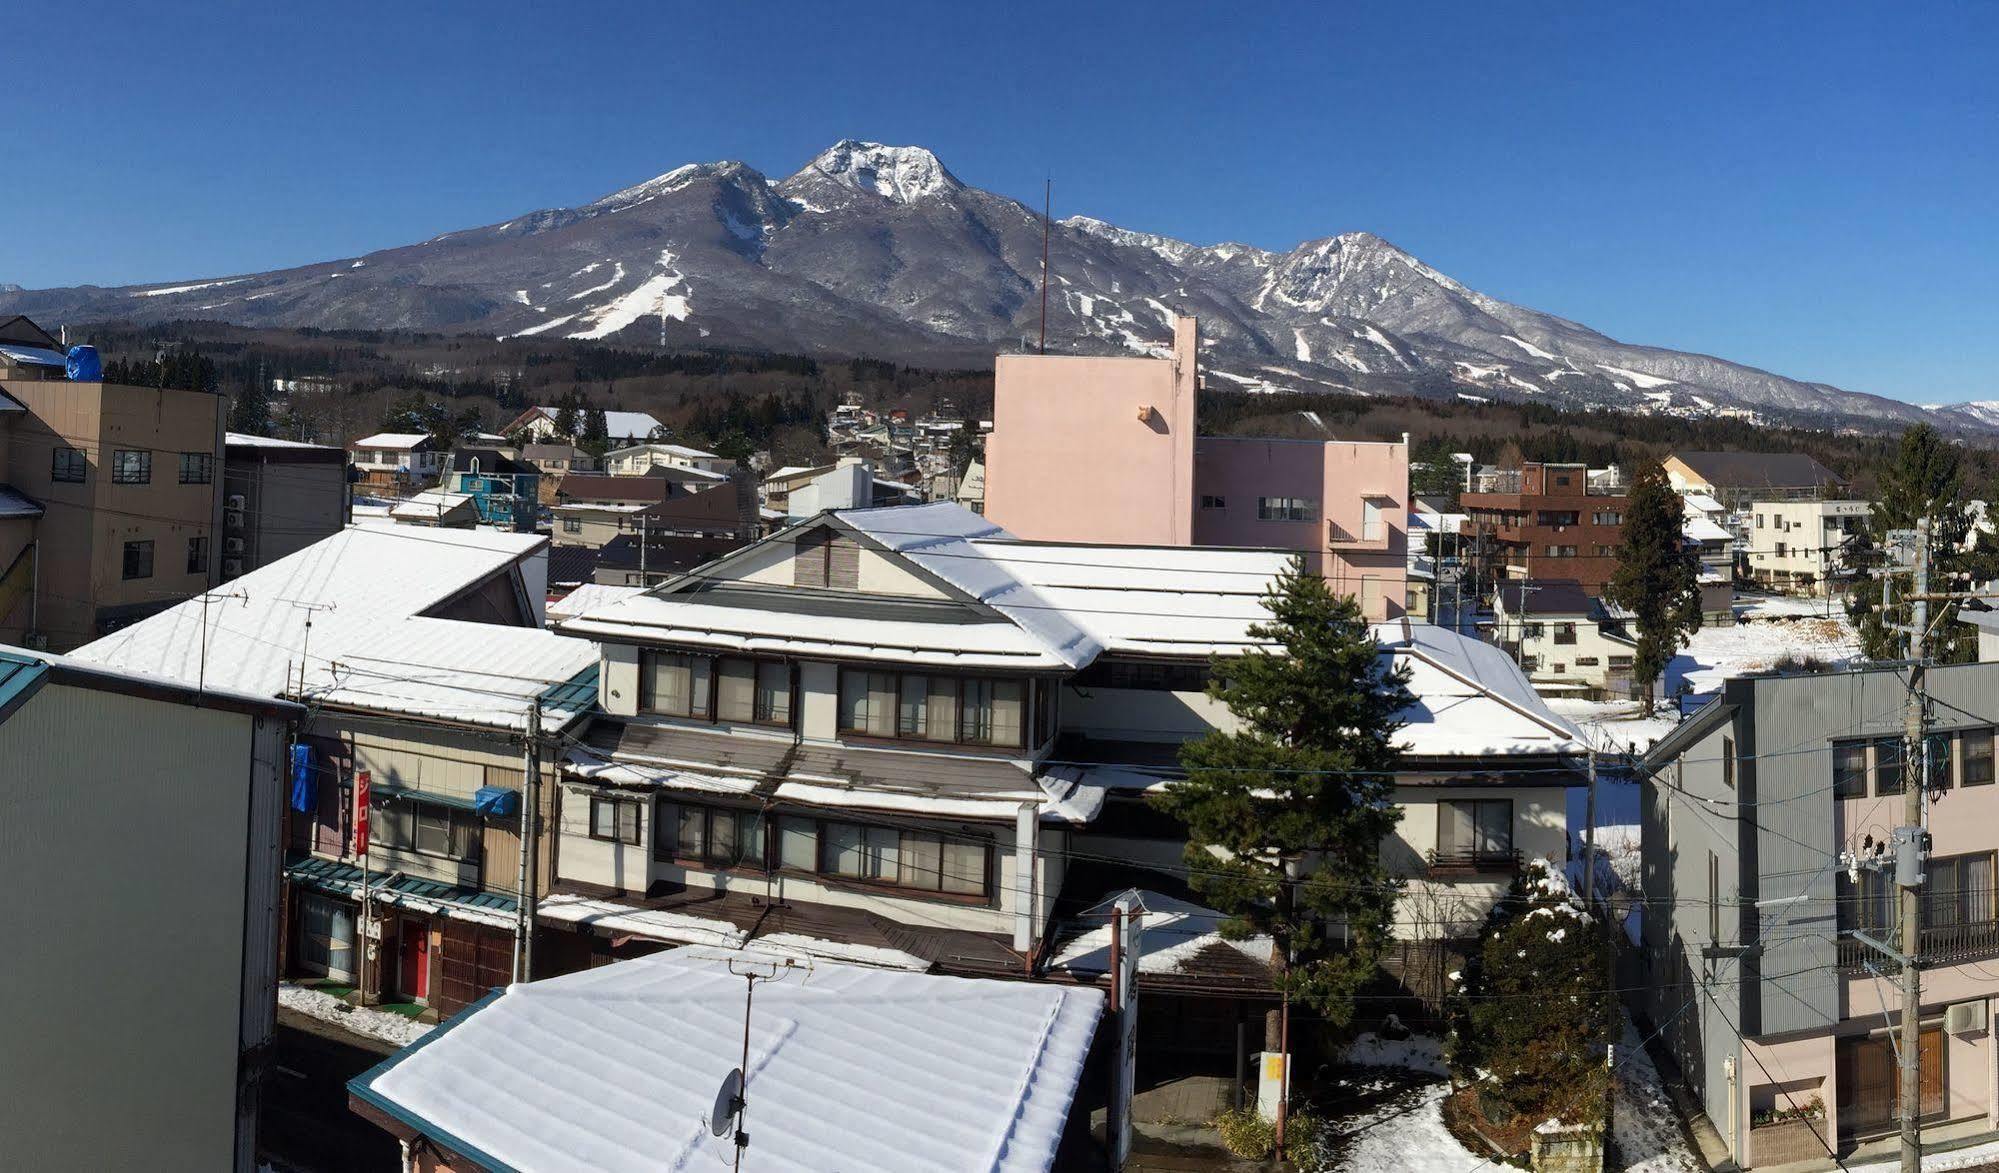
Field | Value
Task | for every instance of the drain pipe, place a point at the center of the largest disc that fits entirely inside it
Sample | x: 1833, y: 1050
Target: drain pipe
x: 1025, y: 889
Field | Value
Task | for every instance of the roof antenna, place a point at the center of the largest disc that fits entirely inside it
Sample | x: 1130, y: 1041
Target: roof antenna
x: 1047, y: 207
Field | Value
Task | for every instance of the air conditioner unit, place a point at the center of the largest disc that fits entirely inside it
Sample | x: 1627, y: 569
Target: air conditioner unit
x: 232, y: 545
x: 232, y: 566
x: 234, y: 501
x: 233, y: 519
x: 1965, y: 1018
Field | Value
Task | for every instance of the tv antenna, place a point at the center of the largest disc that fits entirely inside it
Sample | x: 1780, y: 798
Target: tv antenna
x: 731, y: 1098
x: 310, y: 607
x: 1047, y: 208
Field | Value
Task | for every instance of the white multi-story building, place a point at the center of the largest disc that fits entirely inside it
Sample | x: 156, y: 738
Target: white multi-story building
x: 1801, y: 546
x: 1566, y: 641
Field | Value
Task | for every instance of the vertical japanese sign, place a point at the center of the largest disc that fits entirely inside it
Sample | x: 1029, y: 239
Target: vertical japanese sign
x: 1125, y: 950
x: 361, y: 814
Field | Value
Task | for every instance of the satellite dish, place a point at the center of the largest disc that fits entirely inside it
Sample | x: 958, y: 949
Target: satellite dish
x: 728, y: 1101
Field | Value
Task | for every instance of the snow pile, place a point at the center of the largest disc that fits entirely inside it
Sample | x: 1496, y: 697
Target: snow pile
x: 1644, y: 1122
x: 1172, y: 933
x: 1416, y: 1053
x: 361, y: 1020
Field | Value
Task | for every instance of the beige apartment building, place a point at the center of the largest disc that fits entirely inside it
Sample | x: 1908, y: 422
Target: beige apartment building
x: 119, y: 489
x: 1803, y: 546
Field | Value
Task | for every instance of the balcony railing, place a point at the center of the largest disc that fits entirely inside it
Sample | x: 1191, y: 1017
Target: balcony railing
x: 1472, y: 861
x: 1942, y: 945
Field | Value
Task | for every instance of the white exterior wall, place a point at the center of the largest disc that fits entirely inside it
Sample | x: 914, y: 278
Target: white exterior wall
x: 126, y: 843
x: 1801, y: 526
x: 1456, y: 906
x: 1129, y: 714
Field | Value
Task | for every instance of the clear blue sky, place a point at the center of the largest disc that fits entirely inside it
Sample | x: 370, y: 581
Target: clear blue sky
x: 1811, y: 187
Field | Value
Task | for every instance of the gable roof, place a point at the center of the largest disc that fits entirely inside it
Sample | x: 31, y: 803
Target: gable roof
x: 394, y: 440
x: 619, y: 425
x: 1546, y: 596
x: 21, y: 330
x: 491, y: 461
x: 1759, y: 470
x: 367, y: 591
x: 1472, y: 700
x: 662, y: 446
x: 986, y: 1070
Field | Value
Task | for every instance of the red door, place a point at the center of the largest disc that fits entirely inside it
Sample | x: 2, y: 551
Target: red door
x: 414, y: 980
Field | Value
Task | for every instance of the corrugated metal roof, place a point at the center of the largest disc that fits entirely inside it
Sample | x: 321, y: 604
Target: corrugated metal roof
x: 343, y: 879
x: 39, y: 356
x: 19, y: 678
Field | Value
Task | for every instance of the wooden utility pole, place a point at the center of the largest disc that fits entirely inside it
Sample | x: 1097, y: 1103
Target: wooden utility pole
x: 1910, y: 861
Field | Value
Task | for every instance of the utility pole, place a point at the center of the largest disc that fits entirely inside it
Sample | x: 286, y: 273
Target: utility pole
x: 1589, y: 841
x: 1909, y: 852
x: 525, y: 890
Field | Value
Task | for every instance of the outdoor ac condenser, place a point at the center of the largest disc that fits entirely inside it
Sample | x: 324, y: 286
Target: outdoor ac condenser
x: 1965, y: 1018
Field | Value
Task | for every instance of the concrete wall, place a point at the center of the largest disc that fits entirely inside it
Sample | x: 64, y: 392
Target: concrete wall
x: 287, y: 506
x: 1091, y: 449
x: 127, y: 844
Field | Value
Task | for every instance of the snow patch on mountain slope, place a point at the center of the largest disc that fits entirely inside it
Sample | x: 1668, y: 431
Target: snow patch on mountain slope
x: 1379, y: 339
x: 1304, y: 351
x: 1177, y: 251
x: 655, y: 295
x: 551, y: 324
x: 617, y: 275
x: 1527, y: 346
x: 1643, y: 380
x: 187, y: 288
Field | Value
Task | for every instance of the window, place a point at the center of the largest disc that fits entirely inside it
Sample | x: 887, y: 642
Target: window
x: 1587, y: 661
x: 405, y: 824
x: 674, y: 684
x: 1606, y: 517
x: 1780, y: 550
x: 975, y: 710
x: 1530, y: 663
x: 1759, y: 521
x: 1561, y: 551
x: 717, y: 836
x: 1620, y: 663
x: 1372, y: 528
x: 197, y: 555
x: 1286, y: 508
x: 1728, y: 762
x: 1849, y: 769
x: 1558, y: 667
x: 1958, y: 892
x: 1532, y: 630
x: 1977, y: 757
x: 942, y: 862
x: 69, y: 466
x: 1556, y: 517
x: 1562, y: 480
x: 1209, y: 501
x: 615, y: 820
x: 1888, y: 765
x: 1475, y: 830
x: 754, y: 692
x: 1565, y: 633
x: 138, y: 560
x: 1713, y: 899
x: 574, y: 525
x: 130, y: 467
x: 197, y: 468
x: 1145, y: 675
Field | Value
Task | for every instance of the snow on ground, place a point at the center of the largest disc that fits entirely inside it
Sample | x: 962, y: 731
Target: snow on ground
x: 1643, y: 1121
x: 1402, y: 1132
x: 360, y: 1020
x: 1418, y: 1053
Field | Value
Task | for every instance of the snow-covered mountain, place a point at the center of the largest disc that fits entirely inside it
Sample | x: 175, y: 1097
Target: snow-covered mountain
x: 881, y: 251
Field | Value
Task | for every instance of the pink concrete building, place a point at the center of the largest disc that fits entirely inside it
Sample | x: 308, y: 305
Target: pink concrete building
x: 1093, y: 449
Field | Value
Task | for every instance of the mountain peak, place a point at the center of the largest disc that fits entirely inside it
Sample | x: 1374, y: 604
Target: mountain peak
x: 673, y: 181
x: 899, y: 175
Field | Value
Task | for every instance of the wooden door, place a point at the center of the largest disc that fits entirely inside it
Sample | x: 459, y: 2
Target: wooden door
x: 475, y: 959
x: 414, y: 949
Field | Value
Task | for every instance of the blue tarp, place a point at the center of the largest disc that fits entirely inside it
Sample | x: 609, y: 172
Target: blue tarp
x: 495, y: 801
x: 84, y: 366
x: 305, y: 783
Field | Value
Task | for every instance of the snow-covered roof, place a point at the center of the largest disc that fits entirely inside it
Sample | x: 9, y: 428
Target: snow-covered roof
x: 588, y: 596
x: 1472, y: 700
x: 1702, y: 503
x: 1171, y: 934
x: 15, y: 504
x: 1440, y: 523
x: 246, y: 440
x: 1157, y: 600
x: 430, y: 505
x: 667, y: 449
x: 365, y: 591
x: 1698, y: 528
x: 392, y: 440
x: 619, y: 425
x: 850, y: 1068
x: 37, y: 356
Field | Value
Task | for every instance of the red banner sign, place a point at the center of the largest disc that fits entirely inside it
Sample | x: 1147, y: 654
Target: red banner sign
x: 361, y: 813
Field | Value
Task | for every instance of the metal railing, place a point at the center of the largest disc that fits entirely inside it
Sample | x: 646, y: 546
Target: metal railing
x: 1471, y: 861
x: 1942, y: 945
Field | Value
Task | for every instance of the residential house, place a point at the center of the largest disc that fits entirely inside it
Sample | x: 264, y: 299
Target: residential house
x: 278, y: 497
x: 139, y: 842
x: 1436, y: 544
x: 972, y: 487
x: 504, y: 491
x: 1706, y: 526
x: 1737, y: 478
x: 648, y: 559
x: 110, y: 504
x: 905, y: 736
x: 1987, y: 624
x: 593, y: 509
x: 1567, y: 641
x: 1001, y: 1062
x: 848, y: 483
x: 1547, y: 521
x: 1104, y: 449
x: 639, y: 459
x: 421, y: 658
x: 437, y: 508
x: 1804, y: 546
x: 536, y: 425
x: 556, y: 460
x: 1763, y: 816
x: 398, y: 462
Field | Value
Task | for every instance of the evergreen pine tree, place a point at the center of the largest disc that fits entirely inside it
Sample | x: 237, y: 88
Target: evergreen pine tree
x: 596, y: 437
x: 250, y: 411
x: 1925, y: 479
x: 1306, y: 778
x: 565, y: 416
x: 1657, y: 577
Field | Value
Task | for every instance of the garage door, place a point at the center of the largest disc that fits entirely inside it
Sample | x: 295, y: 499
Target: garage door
x: 473, y: 961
